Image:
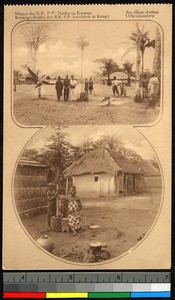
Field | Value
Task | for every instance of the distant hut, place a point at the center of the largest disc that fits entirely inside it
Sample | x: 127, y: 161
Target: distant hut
x: 151, y: 173
x: 28, y: 167
x: 121, y: 76
x: 105, y: 172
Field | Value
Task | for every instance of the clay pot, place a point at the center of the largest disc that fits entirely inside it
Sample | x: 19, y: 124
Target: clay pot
x: 96, y: 246
x: 46, y: 242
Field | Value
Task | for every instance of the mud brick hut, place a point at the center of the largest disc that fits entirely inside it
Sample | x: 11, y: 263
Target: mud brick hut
x: 105, y: 172
x: 30, y: 184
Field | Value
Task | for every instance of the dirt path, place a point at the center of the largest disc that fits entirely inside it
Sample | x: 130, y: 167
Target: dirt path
x: 119, y: 230
x: 29, y: 110
x: 146, y: 201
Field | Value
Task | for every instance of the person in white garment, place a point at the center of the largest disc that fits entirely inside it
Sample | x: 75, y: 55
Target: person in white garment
x: 153, y: 91
x: 115, y: 86
x: 73, y: 84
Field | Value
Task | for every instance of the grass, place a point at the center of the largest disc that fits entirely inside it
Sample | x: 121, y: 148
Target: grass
x: 123, y: 221
x: 29, y: 110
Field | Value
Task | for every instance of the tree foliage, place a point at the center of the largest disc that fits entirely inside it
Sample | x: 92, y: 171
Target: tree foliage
x: 111, y: 143
x: 127, y: 67
x: 34, y: 35
x: 140, y: 40
x: 60, y: 153
x: 82, y: 43
x: 108, y: 66
x: 32, y: 154
x: 16, y: 76
x: 157, y: 55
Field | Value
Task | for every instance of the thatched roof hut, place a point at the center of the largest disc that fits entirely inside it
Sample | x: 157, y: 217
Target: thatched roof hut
x: 119, y: 76
x: 25, y: 161
x: 105, y: 172
x: 101, y: 160
x: 148, y: 169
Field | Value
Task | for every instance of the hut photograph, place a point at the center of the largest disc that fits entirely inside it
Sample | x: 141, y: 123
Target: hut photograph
x: 87, y: 195
x: 106, y: 172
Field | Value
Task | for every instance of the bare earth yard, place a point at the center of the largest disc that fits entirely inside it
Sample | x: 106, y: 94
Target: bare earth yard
x: 123, y: 223
x: 28, y: 110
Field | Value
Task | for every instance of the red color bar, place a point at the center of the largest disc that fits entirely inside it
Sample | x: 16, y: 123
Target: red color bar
x: 24, y: 295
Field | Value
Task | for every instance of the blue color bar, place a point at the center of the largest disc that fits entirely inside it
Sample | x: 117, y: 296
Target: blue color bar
x: 150, y: 295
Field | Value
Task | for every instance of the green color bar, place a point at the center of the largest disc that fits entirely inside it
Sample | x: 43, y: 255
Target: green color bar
x: 109, y: 295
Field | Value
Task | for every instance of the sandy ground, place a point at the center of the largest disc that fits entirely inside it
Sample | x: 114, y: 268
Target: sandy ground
x: 123, y: 222
x: 29, y: 110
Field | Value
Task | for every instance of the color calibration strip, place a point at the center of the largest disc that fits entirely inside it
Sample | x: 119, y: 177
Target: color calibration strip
x: 91, y: 295
x: 94, y: 285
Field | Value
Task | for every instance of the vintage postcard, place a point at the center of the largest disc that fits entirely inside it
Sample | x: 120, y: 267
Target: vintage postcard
x: 87, y: 137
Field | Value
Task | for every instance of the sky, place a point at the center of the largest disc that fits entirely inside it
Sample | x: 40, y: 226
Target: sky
x: 107, y: 39
x: 78, y: 134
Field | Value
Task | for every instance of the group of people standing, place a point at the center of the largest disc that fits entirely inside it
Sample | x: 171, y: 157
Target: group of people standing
x: 67, y: 86
x: 88, y: 86
x: 150, y: 89
x: 118, y: 87
x: 73, y: 206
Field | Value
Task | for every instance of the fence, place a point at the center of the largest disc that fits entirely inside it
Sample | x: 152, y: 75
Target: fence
x: 30, y: 195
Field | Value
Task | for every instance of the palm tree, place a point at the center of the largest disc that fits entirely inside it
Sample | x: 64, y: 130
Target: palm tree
x: 157, y: 55
x: 82, y: 43
x: 108, y: 67
x: 127, y: 66
x: 140, y: 41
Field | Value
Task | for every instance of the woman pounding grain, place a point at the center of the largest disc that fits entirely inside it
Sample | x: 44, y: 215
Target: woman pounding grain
x: 74, y: 205
x: 52, y: 194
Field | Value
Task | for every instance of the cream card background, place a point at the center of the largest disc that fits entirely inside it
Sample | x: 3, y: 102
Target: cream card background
x: 19, y: 251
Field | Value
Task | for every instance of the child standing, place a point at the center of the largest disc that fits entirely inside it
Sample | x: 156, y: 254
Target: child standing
x: 74, y: 206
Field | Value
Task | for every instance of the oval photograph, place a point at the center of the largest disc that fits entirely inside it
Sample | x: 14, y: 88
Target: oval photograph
x: 87, y: 194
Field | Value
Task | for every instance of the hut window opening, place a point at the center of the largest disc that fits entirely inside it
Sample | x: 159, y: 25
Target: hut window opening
x: 96, y: 178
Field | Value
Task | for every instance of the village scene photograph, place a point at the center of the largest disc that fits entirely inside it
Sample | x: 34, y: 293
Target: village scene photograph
x: 87, y: 72
x: 88, y: 194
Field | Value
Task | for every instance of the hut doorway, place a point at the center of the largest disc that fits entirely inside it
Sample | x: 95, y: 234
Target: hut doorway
x: 134, y: 183
x: 129, y: 184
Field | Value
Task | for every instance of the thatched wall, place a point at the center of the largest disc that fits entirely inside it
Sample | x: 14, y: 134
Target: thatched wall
x: 140, y: 184
x: 30, y: 194
x: 153, y: 182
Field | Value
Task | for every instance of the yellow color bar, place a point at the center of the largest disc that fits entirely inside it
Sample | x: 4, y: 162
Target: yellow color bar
x: 67, y: 295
